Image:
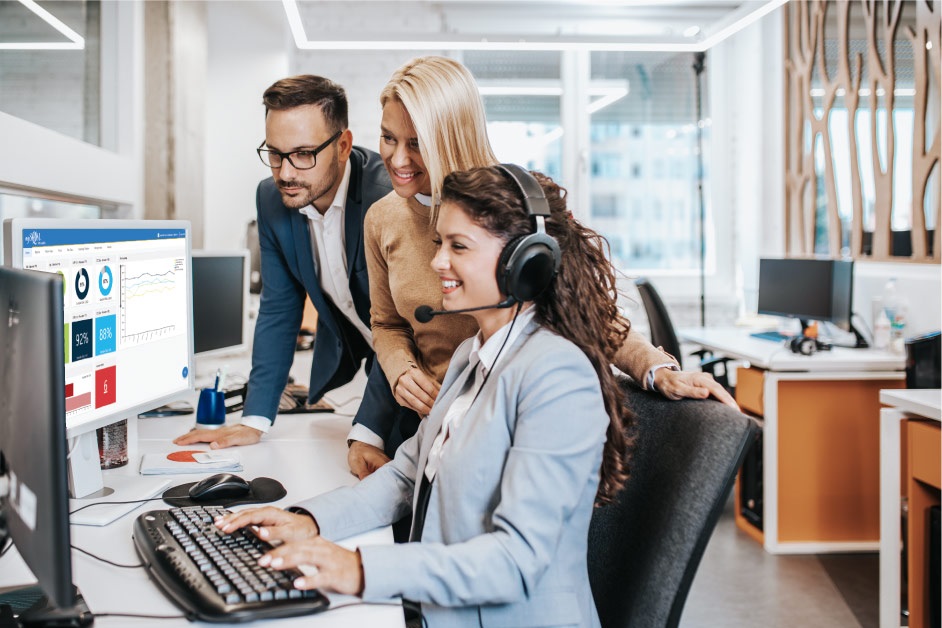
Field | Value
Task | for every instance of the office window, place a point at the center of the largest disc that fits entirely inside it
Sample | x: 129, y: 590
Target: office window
x: 21, y: 205
x: 638, y: 150
x: 56, y: 89
x: 652, y: 128
x: 521, y: 95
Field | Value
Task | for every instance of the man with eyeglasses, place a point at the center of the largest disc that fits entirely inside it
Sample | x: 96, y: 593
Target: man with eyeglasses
x: 310, y: 227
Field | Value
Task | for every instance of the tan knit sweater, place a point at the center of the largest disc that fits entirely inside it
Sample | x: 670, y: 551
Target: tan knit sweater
x: 398, y: 235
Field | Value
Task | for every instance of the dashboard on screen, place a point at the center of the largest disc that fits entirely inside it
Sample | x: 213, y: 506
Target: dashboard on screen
x: 126, y: 296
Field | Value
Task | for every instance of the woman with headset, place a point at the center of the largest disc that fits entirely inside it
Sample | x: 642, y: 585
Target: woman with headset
x: 433, y: 124
x: 526, y: 434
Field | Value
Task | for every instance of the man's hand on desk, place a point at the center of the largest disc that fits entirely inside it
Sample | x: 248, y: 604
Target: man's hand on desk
x: 364, y: 459
x: 229, y: 436
x: 691, y: 384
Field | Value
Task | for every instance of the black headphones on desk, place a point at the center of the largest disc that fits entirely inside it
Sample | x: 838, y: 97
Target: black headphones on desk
x: 806, y: 345
x: 528, y: 263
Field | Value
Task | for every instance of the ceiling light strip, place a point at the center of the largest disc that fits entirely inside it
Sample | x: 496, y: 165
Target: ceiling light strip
x: 76, y: 41
x: 302, y: 42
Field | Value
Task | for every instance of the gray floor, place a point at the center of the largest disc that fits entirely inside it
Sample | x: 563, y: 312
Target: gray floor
x: 739, y: 584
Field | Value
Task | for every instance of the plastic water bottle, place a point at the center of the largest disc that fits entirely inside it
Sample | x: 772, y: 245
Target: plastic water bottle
x: 894, y: 308
x: 881, y: 331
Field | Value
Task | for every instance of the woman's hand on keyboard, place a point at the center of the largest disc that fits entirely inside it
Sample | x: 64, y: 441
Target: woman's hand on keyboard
x: 270, y: 524
x: 338, y: 569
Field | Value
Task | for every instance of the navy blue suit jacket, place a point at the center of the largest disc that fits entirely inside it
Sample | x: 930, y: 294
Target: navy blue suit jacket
x: 289, y: 273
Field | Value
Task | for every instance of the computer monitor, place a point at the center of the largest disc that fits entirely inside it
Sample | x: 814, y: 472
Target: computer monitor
x: 220, y: 302
x: 32, y: 437
x: 128, y: 327
x: 809, y: 289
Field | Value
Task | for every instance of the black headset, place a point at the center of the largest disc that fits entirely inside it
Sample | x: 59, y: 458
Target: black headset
x: 528, y: 263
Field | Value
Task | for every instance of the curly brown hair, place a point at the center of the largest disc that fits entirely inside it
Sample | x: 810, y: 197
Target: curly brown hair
x: 580, y: 303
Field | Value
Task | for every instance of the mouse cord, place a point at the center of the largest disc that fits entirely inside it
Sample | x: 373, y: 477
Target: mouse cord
x: 105, y: 560
x: 140, y: 616
x: 133, y: 501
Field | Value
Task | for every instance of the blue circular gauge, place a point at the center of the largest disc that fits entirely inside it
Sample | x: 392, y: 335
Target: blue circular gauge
x: 104, y: 281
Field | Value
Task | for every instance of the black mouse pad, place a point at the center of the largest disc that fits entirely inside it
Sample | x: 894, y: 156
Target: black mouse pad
x: 261, y: 491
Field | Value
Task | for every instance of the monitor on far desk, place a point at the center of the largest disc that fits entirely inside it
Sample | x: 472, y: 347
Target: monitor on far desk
x: 809, y: 289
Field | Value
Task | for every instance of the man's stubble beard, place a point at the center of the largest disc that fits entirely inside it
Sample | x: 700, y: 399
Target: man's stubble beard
x: 311, y: 193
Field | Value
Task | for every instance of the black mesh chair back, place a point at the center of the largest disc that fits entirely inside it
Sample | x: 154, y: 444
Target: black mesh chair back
x: 644, y: 548
x: 662, y: 330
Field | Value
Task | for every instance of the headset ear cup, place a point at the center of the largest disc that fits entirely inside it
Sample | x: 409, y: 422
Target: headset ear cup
x: 504, y: 281
x: 527, y: 266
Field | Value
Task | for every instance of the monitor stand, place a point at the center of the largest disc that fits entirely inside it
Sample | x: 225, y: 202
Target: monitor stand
x: 86, y: 486
x: 30, y: 608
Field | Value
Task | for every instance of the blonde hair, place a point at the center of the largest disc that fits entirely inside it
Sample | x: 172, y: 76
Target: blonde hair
x: 442, y: 99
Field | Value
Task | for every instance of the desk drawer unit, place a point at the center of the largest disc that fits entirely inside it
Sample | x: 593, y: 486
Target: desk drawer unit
x: 821, y: 458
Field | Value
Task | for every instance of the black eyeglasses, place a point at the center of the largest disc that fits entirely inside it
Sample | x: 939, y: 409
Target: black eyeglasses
x: 300, y: 159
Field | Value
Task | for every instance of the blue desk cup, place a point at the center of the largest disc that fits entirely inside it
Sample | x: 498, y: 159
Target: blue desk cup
x: 211, y: 409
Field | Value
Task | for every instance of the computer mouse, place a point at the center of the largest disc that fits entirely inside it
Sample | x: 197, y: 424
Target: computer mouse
x: 219, y: 486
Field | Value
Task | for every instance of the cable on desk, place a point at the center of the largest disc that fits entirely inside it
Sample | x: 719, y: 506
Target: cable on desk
x: 133, y: 501
x: 105, y: 560
x: 141, y: 616
x: 336, y: 404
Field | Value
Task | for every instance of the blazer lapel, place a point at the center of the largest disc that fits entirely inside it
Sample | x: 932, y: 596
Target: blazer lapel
x: 353, y: 213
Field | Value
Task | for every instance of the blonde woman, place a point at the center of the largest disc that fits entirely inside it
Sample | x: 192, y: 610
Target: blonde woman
x: 433, y: 124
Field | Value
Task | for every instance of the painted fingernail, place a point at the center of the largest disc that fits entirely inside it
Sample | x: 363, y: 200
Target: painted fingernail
x: 264, y: 560
x: 278, y: 562
x: 299, y: 583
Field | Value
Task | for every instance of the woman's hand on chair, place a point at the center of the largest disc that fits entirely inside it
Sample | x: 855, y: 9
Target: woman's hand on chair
x: 691, y: 385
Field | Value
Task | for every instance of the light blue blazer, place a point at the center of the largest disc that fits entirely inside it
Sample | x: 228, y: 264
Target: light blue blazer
x: 506, y: 530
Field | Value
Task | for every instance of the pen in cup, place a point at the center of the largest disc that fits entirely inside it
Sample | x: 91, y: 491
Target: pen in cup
x: 216, y: 385
x: 221, y: 378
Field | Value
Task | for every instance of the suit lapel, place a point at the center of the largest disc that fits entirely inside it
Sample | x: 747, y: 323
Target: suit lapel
x: 353, y: 213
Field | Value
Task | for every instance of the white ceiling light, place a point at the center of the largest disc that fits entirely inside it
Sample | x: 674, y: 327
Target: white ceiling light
x: 745, y: 15
x: 606, y: 95
x: 76, y: 41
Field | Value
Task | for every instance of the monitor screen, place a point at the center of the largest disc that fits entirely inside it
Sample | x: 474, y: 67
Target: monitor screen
x: 32, y: 428
x: 807, y: 289
x: 220, y: 302
x: 126, y: 303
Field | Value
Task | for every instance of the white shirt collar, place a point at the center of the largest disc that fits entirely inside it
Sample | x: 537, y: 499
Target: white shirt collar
x: 425, y: 199
x: 340, y: 198
x: 488, y: 353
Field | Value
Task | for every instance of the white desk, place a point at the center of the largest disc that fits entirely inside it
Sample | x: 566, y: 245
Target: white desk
x: 820, y: 449
x: 904, y: 404
x: 307, y: 453
x: 775, y: 356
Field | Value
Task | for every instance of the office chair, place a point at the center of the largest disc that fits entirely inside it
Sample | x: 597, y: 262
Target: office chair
x: 645, y: 547
x: 664, y: 336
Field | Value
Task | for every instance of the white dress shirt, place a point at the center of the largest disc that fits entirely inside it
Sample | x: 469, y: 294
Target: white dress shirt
x: 482, y: 360
x: 330, y: 259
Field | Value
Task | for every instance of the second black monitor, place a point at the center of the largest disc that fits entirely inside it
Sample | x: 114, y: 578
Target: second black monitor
x: 220, y: 302
x: 808, y: 289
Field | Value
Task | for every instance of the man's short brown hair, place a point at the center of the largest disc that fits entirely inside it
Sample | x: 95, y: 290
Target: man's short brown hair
x: 307, y: 89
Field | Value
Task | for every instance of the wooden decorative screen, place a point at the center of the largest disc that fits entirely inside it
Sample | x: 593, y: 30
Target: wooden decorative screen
x: 862, y: 129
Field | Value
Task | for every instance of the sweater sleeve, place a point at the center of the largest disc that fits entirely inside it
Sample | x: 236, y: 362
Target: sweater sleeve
x: 637, y: 355
x: 393, y: 340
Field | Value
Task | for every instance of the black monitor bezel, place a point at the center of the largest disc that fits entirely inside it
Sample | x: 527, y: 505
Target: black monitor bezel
x: 37, y: 455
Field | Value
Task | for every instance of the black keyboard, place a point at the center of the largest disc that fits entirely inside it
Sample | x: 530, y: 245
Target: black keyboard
x: 215, y: 576
x: 774, y: 336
